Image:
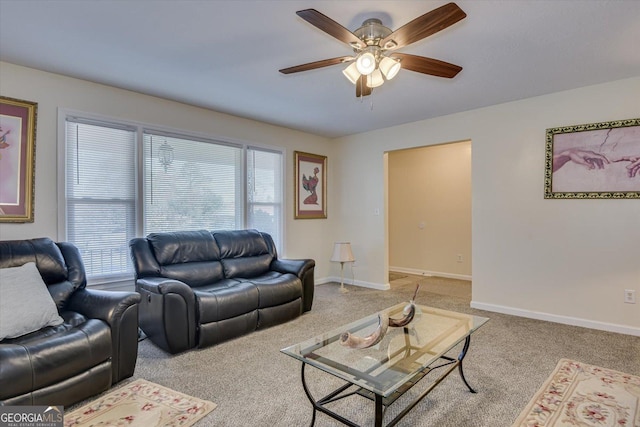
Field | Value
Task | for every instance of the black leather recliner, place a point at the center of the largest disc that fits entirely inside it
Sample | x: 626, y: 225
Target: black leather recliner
x: 95, y: 347
x: 200, y: 288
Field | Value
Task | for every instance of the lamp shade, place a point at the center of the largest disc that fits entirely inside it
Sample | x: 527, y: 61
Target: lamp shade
x: 366, y: 63
x: 375, y: 79
x: 351, y: 72
x: 342, y: 252
x: 389, y: 67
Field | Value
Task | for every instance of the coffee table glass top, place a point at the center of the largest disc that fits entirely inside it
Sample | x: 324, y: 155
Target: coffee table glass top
x: 402, y: 354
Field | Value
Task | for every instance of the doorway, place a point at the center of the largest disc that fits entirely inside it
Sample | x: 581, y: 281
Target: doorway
x: 429, y: 211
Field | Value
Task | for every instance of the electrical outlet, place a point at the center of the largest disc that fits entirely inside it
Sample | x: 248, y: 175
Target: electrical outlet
x: 459, y: 258
x: 630, y: 296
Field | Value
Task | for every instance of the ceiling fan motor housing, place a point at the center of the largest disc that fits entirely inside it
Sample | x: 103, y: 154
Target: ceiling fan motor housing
x: 372, y: 32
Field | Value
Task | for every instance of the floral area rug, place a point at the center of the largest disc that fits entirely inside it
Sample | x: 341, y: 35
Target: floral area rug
x: 577, y: 394
x: 140, y: 403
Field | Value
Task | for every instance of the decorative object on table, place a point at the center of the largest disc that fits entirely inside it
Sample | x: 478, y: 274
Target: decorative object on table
x: 578, y: 394
x: 310, y: 192
x: 17, y: 159
x: 408, y: 312
x: 384, y: 321
x: 593, y: 161
x: 141, y: 403
x: 342, y: 253
x: 349, y: 340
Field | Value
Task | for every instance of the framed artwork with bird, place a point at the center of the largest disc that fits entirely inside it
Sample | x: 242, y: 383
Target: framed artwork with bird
x: 310, y: 185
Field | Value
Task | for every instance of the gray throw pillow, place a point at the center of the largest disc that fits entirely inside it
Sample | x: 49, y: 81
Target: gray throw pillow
x: 25, y: 303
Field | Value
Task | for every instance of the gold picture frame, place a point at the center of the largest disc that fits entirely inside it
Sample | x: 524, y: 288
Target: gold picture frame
x: 17, y: 159
x: 310, y: 188
x: 593, y: 161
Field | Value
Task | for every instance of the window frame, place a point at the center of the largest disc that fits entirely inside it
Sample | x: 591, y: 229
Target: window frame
x: 140, y: 129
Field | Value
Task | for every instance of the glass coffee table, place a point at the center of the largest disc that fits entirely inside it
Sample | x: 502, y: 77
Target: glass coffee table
x: 385, y: 371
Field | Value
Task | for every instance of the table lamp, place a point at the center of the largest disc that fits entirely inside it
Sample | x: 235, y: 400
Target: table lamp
x: 342, y: 253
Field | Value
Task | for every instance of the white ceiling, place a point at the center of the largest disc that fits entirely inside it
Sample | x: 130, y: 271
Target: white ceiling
x: 225, y: 55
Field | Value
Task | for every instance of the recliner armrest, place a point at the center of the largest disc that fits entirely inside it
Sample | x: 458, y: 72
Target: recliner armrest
x: 168, y: 313
x: 294, y: 266
x: 163, y: 286
x: 119, y: 310
x: 304, y: 269
x: 100, y: 304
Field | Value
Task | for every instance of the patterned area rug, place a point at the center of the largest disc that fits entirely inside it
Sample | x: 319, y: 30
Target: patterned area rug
x: 140, y: 403
x: 577, y: 394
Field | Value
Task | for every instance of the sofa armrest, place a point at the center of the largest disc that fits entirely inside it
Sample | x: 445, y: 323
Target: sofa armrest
x: 304, y: 269
x: 104, y: 305
x: 293, y: 266
x: 168, y: 313
x: 120, y: 311
x: 163, y: 286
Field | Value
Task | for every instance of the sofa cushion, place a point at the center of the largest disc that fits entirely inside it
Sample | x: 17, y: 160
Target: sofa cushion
x: 43, y: 251
x: 194, y: 274
x: 276, y: 288
x: 226, y: 299
x: 53, y: 354
x: 183, y: 247
x: 25, y: 303
x: 247, y: 267
x: 240, y: 243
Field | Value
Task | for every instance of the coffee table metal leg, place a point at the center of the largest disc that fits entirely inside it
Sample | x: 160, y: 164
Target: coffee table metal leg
x: 308, y: 393
x: 461, y: 356
x: 318, y: 404
x: 379, y: 411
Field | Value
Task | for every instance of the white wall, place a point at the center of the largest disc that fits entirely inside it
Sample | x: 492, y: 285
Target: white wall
x: 303, y: 238
x: 429, y: 206
x: 563, y: 260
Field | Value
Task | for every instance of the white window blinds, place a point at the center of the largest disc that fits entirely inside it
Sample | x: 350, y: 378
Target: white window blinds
x: 191, y: 184
x: 127, y: 180
x: 264, y: 191
x: 100, y: 194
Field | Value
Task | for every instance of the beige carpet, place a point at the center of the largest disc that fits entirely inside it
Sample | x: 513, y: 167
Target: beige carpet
x: 434, y: 284
x: 140, y: 404
x: 255, y: 385
x: 578, y: 394
x: 396, y: 276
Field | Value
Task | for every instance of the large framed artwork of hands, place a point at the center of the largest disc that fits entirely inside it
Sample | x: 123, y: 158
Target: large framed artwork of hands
x: 593, y: 161
x: 17, y: 159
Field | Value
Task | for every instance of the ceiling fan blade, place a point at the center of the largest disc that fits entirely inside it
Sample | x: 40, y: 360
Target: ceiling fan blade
x: 430, y: 66
x: 424, y: 26
x: 361, y: 87
x: 330, y: 27
x: 317, y: 64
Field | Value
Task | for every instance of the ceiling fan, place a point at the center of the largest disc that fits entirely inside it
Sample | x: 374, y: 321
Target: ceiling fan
x: 374, y: 46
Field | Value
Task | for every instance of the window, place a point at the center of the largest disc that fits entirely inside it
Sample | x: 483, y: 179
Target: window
x: 101, y: 195
x: 191, y: 185
x: 264, y: 191
x: 127, y: 180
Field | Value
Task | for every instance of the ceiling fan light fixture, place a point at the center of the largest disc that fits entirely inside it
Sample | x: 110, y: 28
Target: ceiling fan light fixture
x: 366, y: 63
x: 375, y: 79
x: 351, y: 73
x: 389, y: 67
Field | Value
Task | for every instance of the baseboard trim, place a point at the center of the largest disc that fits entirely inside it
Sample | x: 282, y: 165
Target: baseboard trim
x: 430, y: 273
x: 565, y: 320
x: 349, y: 281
